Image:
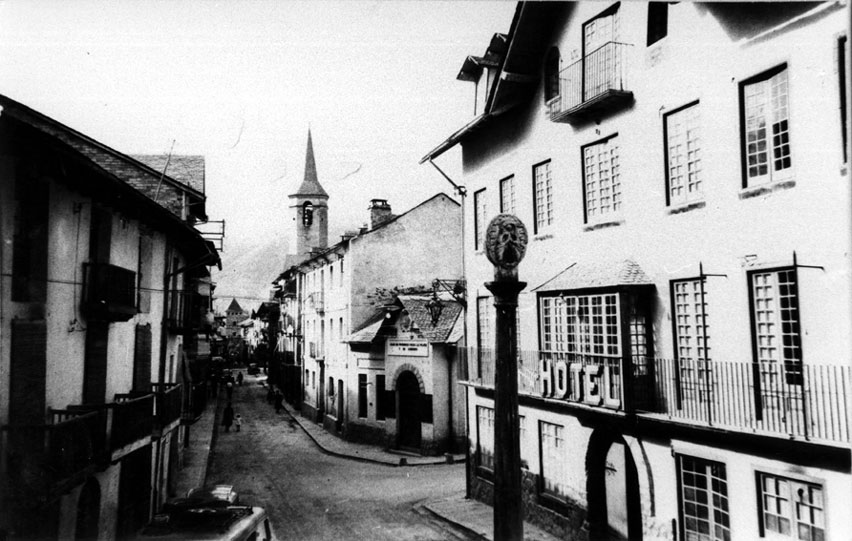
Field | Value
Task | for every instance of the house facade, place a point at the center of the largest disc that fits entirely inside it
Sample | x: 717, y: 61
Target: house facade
x: 682, y: 171
x: 102, y: 298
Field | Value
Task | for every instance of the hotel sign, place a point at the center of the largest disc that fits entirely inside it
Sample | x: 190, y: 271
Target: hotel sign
x: 408, y: 348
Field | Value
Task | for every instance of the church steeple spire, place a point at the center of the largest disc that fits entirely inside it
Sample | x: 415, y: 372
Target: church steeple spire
x: 310, y: 185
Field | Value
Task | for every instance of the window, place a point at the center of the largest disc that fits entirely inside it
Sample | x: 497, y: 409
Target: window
x: 775, y: 313
x: 485, y: 336
x: 485, y: 437
x: 380, y: 397
x: 842, y: 55
x: 29, y: 249
x: 307, y: 214
x: 658, y: 21
x: 790, y: 508
x: 330, y: 276
x: 703, y: 499
x: 362, y: 395
x: 765, y: 128
x: 601, y: 55
x: 689, y: 300
x: 683, y: 156
x: 479, y: 219
x: 553, y: 463
x: 551, y: 74
x: 542, y: 195
x: 145, y: 268
x: 601, y: 180
x: 581, y: 324
x: 507, y: 195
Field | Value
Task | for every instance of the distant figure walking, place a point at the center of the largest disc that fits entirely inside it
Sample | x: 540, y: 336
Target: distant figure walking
x: 239, y: 378
x: 279, y: 401
x: 230, y: 388
x: 238, y: 422
x: 228, y: 417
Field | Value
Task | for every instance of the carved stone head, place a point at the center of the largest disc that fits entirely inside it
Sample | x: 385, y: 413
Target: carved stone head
x: 505, y: 243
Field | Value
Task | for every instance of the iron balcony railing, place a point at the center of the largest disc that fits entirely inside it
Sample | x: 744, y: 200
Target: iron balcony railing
x: 109, y: 292
x: 807, y: 402
x: 41, y: 460
x: 596, y: 81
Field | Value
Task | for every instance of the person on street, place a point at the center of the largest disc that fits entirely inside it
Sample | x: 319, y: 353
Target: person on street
x: 279, y: 401
x: 230, y: 388
x: 239, y: 378
x: 228, y: 417
x: 238, y: 422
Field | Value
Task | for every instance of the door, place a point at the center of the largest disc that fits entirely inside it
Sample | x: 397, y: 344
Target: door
x: 408, y: 394
x: 600, y: 59
x: 622, y: 494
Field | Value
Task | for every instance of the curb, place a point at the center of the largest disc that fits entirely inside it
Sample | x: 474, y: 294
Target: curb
x: 402, y: 460
x: 475, y: 534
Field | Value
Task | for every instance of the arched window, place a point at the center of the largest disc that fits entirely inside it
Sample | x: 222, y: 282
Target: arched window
x: 551, y: 74
x: 307, y: 214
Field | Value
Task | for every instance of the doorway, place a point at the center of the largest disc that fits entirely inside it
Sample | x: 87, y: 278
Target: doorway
x: 615, y: 511
x: 88, y: 511
x: 408, y: 395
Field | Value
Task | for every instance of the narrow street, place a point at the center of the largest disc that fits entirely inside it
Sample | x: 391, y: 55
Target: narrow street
x: 313, y: 496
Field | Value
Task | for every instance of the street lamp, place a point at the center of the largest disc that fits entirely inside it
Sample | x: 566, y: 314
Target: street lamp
x: 435, y: 306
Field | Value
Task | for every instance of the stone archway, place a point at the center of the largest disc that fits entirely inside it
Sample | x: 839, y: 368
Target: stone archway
x: 612, y: 488
x: 88, y: 511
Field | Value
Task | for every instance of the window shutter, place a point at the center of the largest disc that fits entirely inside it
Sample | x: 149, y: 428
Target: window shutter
x: 142, y: 359
x: 27, y: 372
x: 95, y: 370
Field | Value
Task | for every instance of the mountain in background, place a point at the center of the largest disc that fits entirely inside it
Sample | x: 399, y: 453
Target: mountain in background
x: 249, y: 265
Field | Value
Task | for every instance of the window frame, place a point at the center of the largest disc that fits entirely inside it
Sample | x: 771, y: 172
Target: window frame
x: 612, y: 215
x: 686, y: 200
x: 510, y: 181
x: 552, y: 65
x: 658, y: 22
x: 842, y: 58
x: 762, y: 511
x: 547, y: 191
x: 484, y: 470
x: 560, y: 478
x: 479, y: 228
x: 772, y: 177
x: 681, y: 489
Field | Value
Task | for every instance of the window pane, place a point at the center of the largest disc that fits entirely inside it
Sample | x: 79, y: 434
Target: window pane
x: 703, y: 499
x: 766, y: 130
x: 602, y: 179
x: 684, y: 156
x: 543, y: 195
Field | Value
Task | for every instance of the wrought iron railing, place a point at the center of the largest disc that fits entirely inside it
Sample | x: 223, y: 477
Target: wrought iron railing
x: 807, y: 401
x: 109, y: 292
x: 598, y: 73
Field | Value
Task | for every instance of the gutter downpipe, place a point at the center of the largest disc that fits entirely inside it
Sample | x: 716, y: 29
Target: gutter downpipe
x: 462, y: 193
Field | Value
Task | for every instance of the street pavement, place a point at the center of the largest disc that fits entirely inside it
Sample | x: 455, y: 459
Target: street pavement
x: 346, y: 491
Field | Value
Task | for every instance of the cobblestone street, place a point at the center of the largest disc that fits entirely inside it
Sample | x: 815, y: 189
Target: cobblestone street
x: 311, y: 495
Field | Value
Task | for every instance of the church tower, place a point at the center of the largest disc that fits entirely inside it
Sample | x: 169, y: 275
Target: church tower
x: 309, y: 208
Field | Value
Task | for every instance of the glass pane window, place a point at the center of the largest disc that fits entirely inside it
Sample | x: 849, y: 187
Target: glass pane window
x: 602, y: 180
x: 507, y: 195
x: 683, y: 148
x: 553, y: 463
x: 543, y: 195
x: 480, y: 219
x: 791, y: 508
x: 690, y: 313
x: 704, y: 499
x: 483, y: 322
x: 775, y: 312
x: 581, y: 324
x: 485, y: 436
x: 766, y: 131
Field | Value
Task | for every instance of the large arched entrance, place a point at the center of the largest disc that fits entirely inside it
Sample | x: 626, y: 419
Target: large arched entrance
x: 615, y: 510
x: 88, y: 511
x: 409, y: 415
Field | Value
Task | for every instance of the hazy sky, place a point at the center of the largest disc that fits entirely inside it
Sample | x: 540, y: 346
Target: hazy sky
x: 240, y: 82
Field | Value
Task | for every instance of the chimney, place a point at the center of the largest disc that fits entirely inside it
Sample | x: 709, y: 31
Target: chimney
x: 380, y: 212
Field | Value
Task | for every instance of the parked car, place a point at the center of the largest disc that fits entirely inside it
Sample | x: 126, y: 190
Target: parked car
x: 212, y: 514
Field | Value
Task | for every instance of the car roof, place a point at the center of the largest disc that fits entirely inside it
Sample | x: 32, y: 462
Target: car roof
x: 204, y: 524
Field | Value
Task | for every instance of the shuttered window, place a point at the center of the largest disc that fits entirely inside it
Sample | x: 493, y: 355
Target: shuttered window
x: 142, y: 359
x: 27, y: 372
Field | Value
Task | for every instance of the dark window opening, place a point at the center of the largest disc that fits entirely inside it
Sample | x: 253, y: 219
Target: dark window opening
x: 842, y: 44
x: 307, y: 214
x: 362, y: 395
x: 381, y: 398
x: 551, y: 74
x: 658, y: 21
x: 29, y: 261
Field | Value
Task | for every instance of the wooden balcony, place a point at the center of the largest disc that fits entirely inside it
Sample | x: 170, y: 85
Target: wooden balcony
x: 593, y: 86
x: 43, y: 461
x: 109, y: 292
x: 129, y: 423
x: 798, y: 402
x: 168, y: 398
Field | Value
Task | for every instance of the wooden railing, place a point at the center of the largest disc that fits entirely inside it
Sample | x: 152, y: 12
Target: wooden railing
x: 167, y: 403
x: 809, y: 402
x: 132, y: 419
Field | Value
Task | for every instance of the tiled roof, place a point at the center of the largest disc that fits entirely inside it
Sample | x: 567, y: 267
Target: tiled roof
x: 597, y: 274
x: 188, y: 170
x: 368, y: 332
x: 420, y: 315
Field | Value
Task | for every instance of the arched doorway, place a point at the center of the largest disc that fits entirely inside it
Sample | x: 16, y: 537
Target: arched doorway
x: 409, y: 415
x: 615, y: 511
x: 88, y: 511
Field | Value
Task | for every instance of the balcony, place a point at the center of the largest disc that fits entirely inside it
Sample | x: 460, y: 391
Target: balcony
x: 799, y: 402
x: 187, y: 311
x: 168, y: 400
x: 109, y: 292
x: 194, y: 403
x: 129, y: 423
x: 43, y: 461
x: 593, y: 85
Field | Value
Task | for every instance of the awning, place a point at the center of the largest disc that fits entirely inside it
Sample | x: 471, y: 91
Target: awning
x: 597, y: 274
